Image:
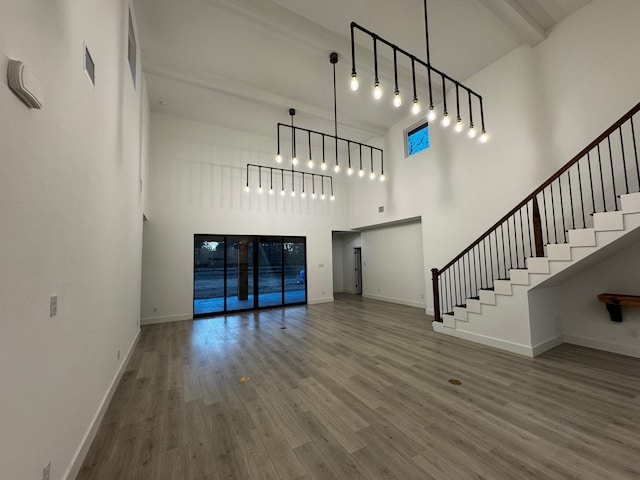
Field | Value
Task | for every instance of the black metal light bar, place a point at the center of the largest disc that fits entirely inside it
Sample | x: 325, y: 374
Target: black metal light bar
x: 414, y: 59
x: 337, y: 139
x: 294, y: 173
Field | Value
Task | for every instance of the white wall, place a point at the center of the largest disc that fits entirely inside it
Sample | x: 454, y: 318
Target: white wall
x: 542, y: 106
x: 392, y: 264
x: 337, y: 255
x: 71, y: 208
x: 197, y: 179
x: 585, y: 321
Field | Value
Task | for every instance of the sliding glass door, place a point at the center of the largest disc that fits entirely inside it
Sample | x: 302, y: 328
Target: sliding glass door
x: 237, y: 273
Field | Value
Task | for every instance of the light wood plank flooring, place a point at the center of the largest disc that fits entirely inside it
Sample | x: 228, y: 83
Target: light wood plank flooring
x: 359, y: 389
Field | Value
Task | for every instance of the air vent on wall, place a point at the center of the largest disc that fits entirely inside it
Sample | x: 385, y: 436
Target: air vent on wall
x: 24, y: 85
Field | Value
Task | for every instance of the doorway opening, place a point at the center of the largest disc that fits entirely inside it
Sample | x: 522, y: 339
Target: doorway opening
x: 357, y: 265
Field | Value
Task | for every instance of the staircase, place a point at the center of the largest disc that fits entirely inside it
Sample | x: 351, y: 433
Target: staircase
x: 492, y: 292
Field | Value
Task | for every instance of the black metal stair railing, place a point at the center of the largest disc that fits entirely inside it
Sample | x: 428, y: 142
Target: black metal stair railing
x: 591, y: 182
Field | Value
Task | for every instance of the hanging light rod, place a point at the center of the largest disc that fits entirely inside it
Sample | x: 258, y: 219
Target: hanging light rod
x: 302, y: 183
x: 333, y: 58
x: 431, y: 71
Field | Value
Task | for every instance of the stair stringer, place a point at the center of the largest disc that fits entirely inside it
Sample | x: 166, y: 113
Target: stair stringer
x: 510, y: 317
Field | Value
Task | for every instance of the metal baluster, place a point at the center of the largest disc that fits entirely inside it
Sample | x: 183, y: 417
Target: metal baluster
x: 593, y: 198
x: 553, y: 214
x: 546, y: 216
x: 491, y: 261
x: 486, y: 268
x: 635, y: 150
x: 510, y: 249
x: 564, y: 228
x: 624, y: 161
x: 604, y: 201
x: 524, y: 253
x: 584, y: 222
x: 573, y: 222
x: 613, y: 175
x: 475, y: 271
x: 531, y: 246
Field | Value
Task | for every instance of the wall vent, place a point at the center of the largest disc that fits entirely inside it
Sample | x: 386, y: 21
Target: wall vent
x: 381, y: 209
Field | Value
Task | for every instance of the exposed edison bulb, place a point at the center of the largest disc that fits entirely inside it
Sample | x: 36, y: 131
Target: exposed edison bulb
x: 459, y: 127
x: 415, y: 108
x: 333, y: 198
x: 313, y: 195
x: 336, y: 168
x: 484, y: 137
x: 324, y: 165
x: 446, y: 121
x: 279, y: 158
x: 349, y: 171
x: 377, y: 91
x: 310, y: 163
x: 323, y: 196
x: 354, y: 82
x: 361, y: 173
x: 382, y: 177
x: 247, y: 188
x: 293, y: 193
x: 372, y: 175
x: 431, y: 116
x: 282, y: 192
x: 260, y: 190
x: 303, y: 195
x: 294, y: 161
x: 472, y: 131
x: 397, y: 99
x: 271, y: 191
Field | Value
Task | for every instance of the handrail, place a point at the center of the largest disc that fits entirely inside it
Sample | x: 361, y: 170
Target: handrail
x: 548, y: 182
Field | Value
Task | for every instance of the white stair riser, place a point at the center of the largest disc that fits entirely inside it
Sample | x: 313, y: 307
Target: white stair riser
x: 460, y: 313
x: 488, y: 297
x: 608, y: 221
x: 630, y: 202
x: 560, y: 251
x: 538, y: 265
x: 585, y: 237
x: 448, y: 320
x: 502, y: 287
x: 474, y: 306
x: 519, y: 276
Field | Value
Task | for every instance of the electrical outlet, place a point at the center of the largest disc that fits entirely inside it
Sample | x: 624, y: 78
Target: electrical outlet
x: 633, y: 333
x: 155, y: 309
x: 46, y: 472
x: 53, y: 305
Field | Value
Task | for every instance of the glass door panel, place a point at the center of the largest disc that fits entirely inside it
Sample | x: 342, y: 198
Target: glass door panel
x: 270, y: 278
x: 239, y: 273
x: 295, y: 281
x: 208, y: 275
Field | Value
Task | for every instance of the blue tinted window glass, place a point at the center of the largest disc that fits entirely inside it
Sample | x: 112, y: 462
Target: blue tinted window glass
x: 418, y: 140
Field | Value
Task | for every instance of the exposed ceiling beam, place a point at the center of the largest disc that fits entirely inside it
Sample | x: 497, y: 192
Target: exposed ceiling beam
x: 518, y: 19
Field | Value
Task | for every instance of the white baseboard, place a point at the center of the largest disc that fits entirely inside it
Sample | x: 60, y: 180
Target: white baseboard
x: 314, y: 301
x: 399, y: 301
x: 166, y: 318
x: 78, y: 458
x: 607, y: 346
x: 547, y: 345
x: 484, y: 340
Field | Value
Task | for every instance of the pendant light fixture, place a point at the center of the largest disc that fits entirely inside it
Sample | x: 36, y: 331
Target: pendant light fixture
x: 376, y: 154
x: 475, y: 100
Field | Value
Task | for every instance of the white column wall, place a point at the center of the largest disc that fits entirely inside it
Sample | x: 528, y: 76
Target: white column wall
x: 197, y: 186
x: 71, y: 206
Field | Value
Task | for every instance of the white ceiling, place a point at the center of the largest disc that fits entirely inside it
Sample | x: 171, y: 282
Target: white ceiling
x: 243, y: 63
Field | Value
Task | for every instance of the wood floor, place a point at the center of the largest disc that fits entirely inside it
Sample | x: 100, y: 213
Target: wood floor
x: 359, y: 389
